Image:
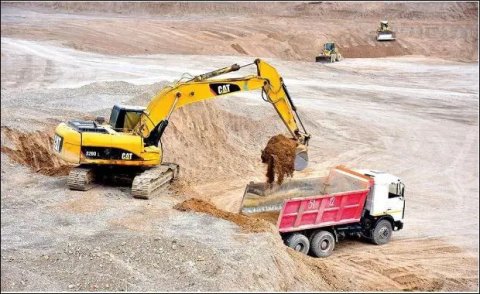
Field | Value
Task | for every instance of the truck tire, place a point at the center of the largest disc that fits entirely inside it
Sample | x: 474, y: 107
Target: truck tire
x: 298, y: 242
x: 382, y: 232
x: 322, y: 244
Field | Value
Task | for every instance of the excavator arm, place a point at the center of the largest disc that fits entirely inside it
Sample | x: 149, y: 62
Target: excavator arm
x: 155, y: 118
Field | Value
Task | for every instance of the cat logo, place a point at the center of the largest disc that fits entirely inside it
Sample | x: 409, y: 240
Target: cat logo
x: 224, y: 89
x: 221, y: 89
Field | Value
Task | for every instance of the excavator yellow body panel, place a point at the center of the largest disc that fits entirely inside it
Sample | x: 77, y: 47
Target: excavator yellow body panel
x: 110, y: 148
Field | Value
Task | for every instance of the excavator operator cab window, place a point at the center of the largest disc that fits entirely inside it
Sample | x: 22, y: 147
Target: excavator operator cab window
x: 124, y: 118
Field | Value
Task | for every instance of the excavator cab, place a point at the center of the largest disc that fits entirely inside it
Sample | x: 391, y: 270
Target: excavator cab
x: 124, y: 117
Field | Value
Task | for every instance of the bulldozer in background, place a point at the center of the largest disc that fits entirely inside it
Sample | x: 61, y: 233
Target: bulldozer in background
x: 330, y: 53
x: 384, y: 32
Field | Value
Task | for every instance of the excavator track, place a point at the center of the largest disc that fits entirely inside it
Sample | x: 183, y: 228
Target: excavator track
x: 81, y: 178
x: 153, y: 180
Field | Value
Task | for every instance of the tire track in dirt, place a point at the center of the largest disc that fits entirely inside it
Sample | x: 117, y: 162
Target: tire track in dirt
x: 405, y: 265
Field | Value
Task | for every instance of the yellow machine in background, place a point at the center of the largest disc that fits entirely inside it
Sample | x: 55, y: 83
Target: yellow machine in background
x: 384, y: 32
x: 129, y: 144
x: 329, y: 53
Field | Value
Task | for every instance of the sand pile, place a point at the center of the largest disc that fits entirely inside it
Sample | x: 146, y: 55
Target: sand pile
x: 279, y: 155
x: 248, y: 224
x: 34, y: 150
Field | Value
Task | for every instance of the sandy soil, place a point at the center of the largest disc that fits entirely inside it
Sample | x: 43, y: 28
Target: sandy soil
x: 291, y: 31
x: 414, y: 116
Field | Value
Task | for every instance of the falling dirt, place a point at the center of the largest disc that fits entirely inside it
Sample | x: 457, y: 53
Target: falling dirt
x: 279, y: 155
x: 247, y: 223
x: 35, y: 151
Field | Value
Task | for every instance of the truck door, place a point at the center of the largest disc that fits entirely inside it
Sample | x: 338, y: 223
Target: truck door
x: 396, y: 201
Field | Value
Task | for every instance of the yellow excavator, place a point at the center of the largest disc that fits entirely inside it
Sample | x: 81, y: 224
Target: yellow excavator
x: 128, y: 145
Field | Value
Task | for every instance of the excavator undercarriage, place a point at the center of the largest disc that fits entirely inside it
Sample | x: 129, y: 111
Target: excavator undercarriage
x: 144, y: 182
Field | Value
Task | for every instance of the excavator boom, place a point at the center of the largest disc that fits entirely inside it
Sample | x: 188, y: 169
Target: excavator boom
x: 202, y: 87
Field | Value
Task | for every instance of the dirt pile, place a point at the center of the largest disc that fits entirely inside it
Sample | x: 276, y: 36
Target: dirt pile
x: 34, y: 150
x: 247, y: 223
x: 279, y: 155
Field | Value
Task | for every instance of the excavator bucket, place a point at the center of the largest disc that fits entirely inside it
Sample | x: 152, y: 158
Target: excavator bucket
x: 301, y: 158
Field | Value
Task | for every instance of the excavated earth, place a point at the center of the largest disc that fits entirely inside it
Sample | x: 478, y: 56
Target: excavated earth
x: 279, y: 155
x: 408, y: 107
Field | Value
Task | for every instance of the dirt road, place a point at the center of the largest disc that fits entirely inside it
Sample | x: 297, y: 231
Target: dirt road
x: 413, y: 116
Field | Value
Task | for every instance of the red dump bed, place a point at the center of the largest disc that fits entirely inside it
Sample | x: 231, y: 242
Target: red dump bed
x: 336, y: 199
x: 321, y: 211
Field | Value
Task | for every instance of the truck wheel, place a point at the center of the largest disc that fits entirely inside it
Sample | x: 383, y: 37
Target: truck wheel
x: 382, y: 232
x: 322, y: 244
x: 298, y: 242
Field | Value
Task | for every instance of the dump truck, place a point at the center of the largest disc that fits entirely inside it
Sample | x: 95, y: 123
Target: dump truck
x: 384, y: 32
x: 315, y: 213
x: 329, y: 53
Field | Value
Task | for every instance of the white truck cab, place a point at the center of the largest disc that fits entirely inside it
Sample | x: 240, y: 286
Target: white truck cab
x: 387, y: 196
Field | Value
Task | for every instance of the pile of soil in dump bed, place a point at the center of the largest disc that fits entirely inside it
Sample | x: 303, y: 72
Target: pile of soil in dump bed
x: 247, y: 223
x: 279, y: 155
x: 34, y: 150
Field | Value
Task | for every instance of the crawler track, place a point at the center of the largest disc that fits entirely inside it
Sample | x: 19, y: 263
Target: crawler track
x: 81, y: 178
x: 153, y: 180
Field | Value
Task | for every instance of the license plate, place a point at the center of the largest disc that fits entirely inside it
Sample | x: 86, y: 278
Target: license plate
x: 57, y: 143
